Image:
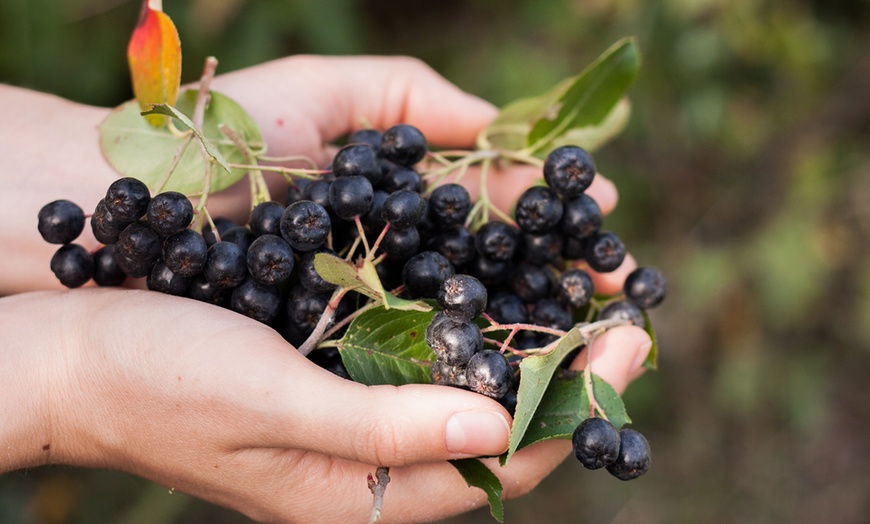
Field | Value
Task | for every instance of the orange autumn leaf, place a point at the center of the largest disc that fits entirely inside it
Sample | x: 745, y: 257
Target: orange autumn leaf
x: 154, y: 55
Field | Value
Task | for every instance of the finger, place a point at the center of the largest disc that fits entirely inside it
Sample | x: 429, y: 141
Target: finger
x: 611, y: 283
x: 617, y: 356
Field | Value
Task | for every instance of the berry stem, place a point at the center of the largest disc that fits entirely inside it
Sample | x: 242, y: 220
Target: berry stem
x: 378, y: 488
x: 362, y: 236
x: 203, y: 94
x: 174, y: 163
x: 525, y: 327
x: 290, y: 158
x: 324, y: 321
x: 378, y: 240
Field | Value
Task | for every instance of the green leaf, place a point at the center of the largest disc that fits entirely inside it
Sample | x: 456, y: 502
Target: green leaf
x: 652, y: 360
x: 477, y: 475
x: 591, y: 138
x: 363, y: 279
x: 565, y: 405
x: 135, y: 148
x: 164, y: 109
x: 591, y: 96
x: 384, y: 346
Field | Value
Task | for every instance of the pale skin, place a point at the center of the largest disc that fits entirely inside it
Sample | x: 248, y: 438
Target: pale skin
x: 209, y: 402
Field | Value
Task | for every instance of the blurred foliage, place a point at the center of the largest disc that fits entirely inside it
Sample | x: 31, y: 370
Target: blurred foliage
x: 743, y: 174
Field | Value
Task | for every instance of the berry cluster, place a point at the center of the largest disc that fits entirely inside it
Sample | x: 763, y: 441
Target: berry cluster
x: 426, y: 244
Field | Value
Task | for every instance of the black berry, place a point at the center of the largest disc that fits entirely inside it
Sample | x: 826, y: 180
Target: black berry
x: 127, y: 199
x: 169, y: 212
x: 266, y: 219
x: 255, y: 300
x: 357, y: 160
x: 462, y: 297
x: 424, y: 273
x: 622, y: 310
x: 604, y: 252
x: 351, y: 196
x: 646, y: 287
x: 305, y: 225
x: 454, y: 342
x: 575, y: 288
x: 569, y: 170
x: 634, y: 456
x: 403, y: 209
x: 449, y: 205
x: 496, y: 241
x: 185, y: 252
x: 107, y: 272
x: 166, y: 281
x: 596, y: 443
x: 270, y: 260
x: 403, y: 144
x: 72, y: 265
x: 489, y: 373
x: 581, y: 217
x: 538, y: 210
x: 225, y: 267
x: 60, y: 222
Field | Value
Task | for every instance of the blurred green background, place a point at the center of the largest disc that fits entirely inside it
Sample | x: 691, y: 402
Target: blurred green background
x: 744, y: 175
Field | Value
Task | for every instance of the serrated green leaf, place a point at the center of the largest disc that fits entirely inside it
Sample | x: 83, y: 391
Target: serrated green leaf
x: 388, y: 347
x: 167, y: 110
x: 652, y: 360
x: 135, y: 148
x: 477, y: 475
x: 590, y: 97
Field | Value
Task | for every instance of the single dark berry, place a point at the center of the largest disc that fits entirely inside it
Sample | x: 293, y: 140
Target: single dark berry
x: 509, y: 401
x: 443, y: 374
x: 453, y: 341
x: 581, y: 217
x: 596, y: 443
x: 304, y: 309
x: 403, y: 144
x: 266, y: 219
x: 255, y: 300
x: 305, y: 225
x: 462, y: 297
x: 318, y: 192
x: 449, y: 205
x: 399, y: 178
x: 185, y: 252
x: 137, y: 250
x: 226, y: 266
x: 373, y: 221
x: 107, y: 272
x: 493, y: 273
x: 531, y: 283
x: 169, y: 212
x: 424, y: 273
x: 538, y: 210
x: 496, y: 241
x: 622, y: 310
x: 370, y: 137
x: 72, y: 265
x: 164, y: 280
x: 456, y: 244
x: 604, y: 252
x: 401, y: 244
x: 241, y: 236
x: 541, y: 249
x: 646, y: 287
x: 127, y: 199
x: 357, y: 160
x: 351, y: 196
x: 489, y: 373
x: 204, y: 291
x: 549, y: 312
x: 60, y: 222
x: 569, y: 170
x: 308, y: 275
x: 403, y: 209
x: 634, y: 456
x: 507, y: 308
x: 270, y: 260
x: 575, y: 288
x: 222, y: 224
x: 105, y: 227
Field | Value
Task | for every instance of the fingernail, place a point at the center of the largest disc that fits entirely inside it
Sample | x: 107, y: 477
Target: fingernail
x: 477, y: 433
x: 640, y: 356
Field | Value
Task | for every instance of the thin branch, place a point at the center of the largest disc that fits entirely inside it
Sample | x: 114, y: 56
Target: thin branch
x: 202, y: 96
x: 378, y: 488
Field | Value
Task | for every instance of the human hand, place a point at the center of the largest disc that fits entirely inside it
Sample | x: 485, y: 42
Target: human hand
x: 211, y: 403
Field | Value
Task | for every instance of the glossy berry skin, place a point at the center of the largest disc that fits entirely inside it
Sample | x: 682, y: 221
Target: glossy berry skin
x: 531, y: 283
x: 424, y: 273
x: 401, y: 244
x: 541, y: 249
x: 127, y: 199
x: 60, y: 222
x: 107, y: 272
x: 137, y: 250
x: 443, y: 374
x: 370, y: 137
x: 403, y: 209
x: 185, y: 252
x: 493, y: 273
x: 507, y: 308
x: 72, y: 265
x: 462, y: 297
x: 169, y: 212
x: 622, y: 310
x: 255, y: 300
x: 204, y: 291
x: 308, y: 276
x: 241, y: 236
x: 266, y: 219
x: 596, y: 443
x: 351, y: 196
x: 403, y: 144
x: 646, y: 287
x: 305, y: 225
x: 496, y: 241
x: 581, y: 217
x: 164, y: 280
x: 304, y: 309
x: 634, y: 456
x: 538, y: 210
x: 318, y: 192
x: 551, y: 313
x: 270, y: 260
x: 569, y: 170
x: 489, y: 373
x: 454, y: 342
x: 104, y: 226
x: 226, y: 266
x: 357, y: 160
x: 604, y: 252
x: 456, y: 244
x: 575, y: 288
x: 449, y: 205
x: 400, y: 178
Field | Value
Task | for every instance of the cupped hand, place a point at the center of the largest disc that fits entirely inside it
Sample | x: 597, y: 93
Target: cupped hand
x: 211, y: 403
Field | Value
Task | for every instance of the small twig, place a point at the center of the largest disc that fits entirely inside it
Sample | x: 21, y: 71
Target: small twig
x: 202, y: 96
x: 362, y: 235
x: 324, y: 322
x: 378, y: 488
x: 174, y: 163
x: 526, y: 327
x: 378, y: 240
